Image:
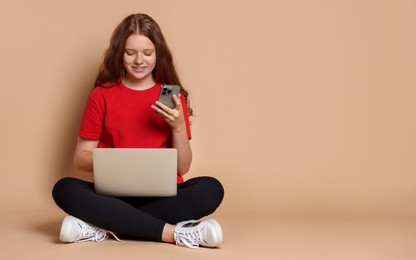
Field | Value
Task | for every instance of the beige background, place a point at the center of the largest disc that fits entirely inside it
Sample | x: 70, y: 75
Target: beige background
x: 304, y: 108
x: 301, y: 105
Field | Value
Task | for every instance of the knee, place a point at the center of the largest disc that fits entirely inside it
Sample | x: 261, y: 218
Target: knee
x: 59, y: 189
x: 63, y: 188
x: 211, y: 194
x: 215, y: 188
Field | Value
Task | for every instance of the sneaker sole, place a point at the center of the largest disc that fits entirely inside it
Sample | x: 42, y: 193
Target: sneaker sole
x: 218, y: 231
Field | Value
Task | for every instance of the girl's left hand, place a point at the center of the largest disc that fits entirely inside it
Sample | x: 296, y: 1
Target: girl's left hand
x: 174, y: 117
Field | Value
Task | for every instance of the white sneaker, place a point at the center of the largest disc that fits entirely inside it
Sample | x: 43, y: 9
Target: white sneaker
x: 76, y: 230
x: 193, y: 234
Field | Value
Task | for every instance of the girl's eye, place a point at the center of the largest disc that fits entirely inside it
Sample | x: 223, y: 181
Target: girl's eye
x: 130, y: 53
x: 148, y: 53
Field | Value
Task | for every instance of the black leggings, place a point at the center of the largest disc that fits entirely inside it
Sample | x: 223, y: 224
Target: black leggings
x: 138, y: 217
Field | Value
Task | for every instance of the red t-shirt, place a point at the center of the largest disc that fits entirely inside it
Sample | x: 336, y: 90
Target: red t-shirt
x: 120, y: 117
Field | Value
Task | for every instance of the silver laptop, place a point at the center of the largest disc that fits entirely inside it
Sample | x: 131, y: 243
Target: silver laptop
x: 135, y: 172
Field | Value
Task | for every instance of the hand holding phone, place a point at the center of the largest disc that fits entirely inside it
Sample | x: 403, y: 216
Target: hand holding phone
x: 165, y: 95
x: 170, y: 108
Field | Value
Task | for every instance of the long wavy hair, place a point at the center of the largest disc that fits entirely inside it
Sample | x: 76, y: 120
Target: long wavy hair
x: 112, y: 69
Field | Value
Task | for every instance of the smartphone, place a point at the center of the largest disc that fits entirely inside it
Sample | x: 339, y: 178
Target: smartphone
x: 166, y: 92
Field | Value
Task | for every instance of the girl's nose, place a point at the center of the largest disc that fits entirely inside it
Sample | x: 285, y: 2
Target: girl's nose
x: 139, y: 59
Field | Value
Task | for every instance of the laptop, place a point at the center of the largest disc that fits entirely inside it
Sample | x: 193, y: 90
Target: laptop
x: 133, y: 172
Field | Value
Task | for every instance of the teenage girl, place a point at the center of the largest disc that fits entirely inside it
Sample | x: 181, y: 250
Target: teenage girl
x: 122, y: 111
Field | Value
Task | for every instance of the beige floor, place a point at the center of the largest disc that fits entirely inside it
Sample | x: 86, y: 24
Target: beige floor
x: 33, y: 235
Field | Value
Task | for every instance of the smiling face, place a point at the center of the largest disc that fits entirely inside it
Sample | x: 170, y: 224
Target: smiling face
x: 139, y: 61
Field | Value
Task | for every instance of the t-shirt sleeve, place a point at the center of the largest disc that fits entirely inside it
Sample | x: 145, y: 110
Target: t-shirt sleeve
x: 93, y: 117
x: 186, y: 116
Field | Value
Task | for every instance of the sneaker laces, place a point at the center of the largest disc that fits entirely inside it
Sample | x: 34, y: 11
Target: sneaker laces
x: 95, y: 234
x: 189, y: 237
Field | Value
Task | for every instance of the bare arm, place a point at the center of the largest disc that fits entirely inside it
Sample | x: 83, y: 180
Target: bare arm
x: 83, y: 154
x: 182, y: 145
x: 175, y: 118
